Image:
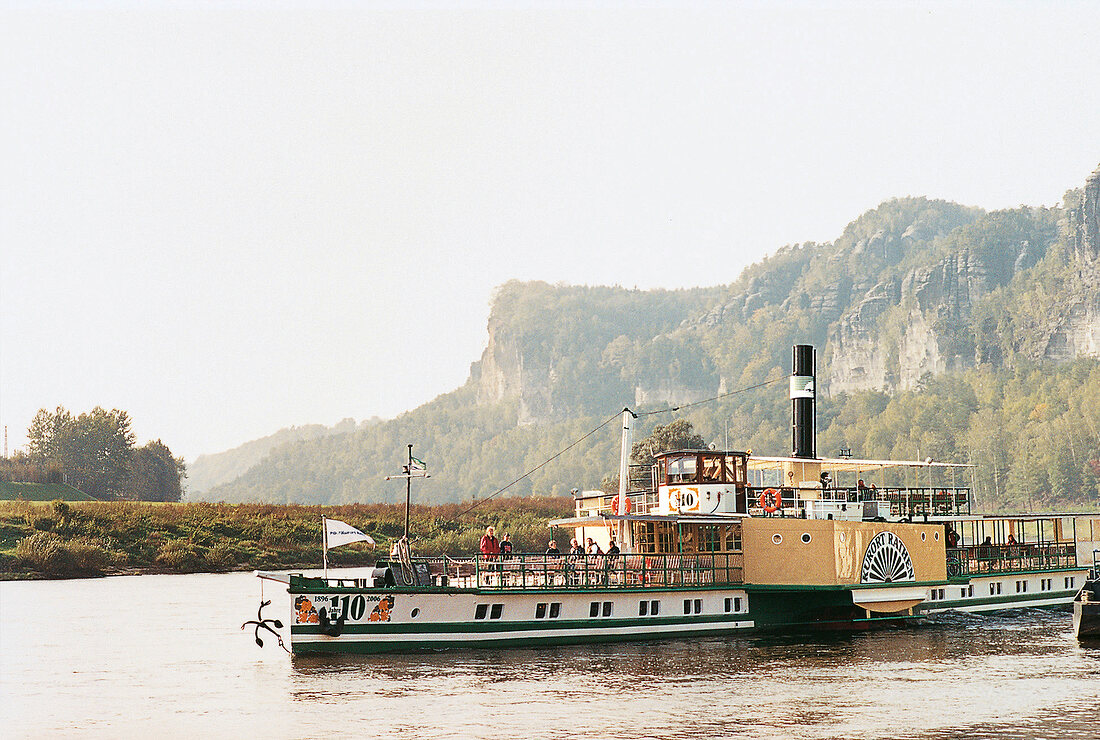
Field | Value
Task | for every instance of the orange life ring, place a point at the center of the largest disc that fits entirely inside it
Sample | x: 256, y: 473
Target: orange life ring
x: 771, y: 500
x: 615, y: 506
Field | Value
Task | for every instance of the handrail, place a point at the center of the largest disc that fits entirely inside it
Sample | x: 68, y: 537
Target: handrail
x: 904, y: 500
x: 983, y: 559
x: 635, y: 570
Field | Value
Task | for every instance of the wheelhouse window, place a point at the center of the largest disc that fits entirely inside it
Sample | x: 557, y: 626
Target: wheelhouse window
x: 712, y: 469
x: 681, y: 469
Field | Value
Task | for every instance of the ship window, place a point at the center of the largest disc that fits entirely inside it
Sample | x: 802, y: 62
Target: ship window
x: 729, y: 605
x: 995, y: 588
x: 712, y: 538
x: 806, y: 538
x: 1021, y: 586
x: 654, y: 608
x: 698, y: 606
x: 540, y: 610
x: 497, y: 611
x: 733, y: 537
x: 687, y: 606
x: 415, y: 613
x: 643, y: 608
x: 481, y: 611
x: 681, y: 470
x: 594, y: 609
x: 712, y: 469
x: 777, y: 538
x: 923, y: 536
x: 555, y: 609
x: 1070, y: 582
x: 737, y: 604
x: 607, y: 608
x: 735, y: 469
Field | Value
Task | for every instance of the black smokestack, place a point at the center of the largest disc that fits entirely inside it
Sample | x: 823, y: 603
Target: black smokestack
x: 803, y: 397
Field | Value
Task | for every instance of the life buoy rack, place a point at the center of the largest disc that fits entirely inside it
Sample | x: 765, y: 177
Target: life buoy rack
x: 771, y: 500
x: 615, y: 506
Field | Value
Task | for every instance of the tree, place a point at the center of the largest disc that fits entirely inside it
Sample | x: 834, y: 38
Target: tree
x: 678, y: 435
x: 95, y: 451
x: 155, y: 475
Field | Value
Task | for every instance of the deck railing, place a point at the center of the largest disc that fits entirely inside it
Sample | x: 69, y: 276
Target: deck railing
x: 974, y: 560
x: 602, y: 571
x: 527, y: 572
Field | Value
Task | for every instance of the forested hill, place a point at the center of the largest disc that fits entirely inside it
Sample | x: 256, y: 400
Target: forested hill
x: 944, y: 331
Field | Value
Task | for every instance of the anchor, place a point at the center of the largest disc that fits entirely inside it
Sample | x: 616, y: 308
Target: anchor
x: 259, y: 621
x: 331, y: 627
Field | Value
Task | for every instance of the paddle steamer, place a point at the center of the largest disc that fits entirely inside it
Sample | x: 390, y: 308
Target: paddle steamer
x: 717, y: 542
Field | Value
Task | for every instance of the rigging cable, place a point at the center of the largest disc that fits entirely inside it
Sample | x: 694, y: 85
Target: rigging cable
x: 601, y: 426
x: 537, y: 467
x: 715, y: 398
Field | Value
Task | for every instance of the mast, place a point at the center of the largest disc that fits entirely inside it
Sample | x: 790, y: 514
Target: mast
x: 408, y: 490
x: 412, y: 469
x: 625, y: 532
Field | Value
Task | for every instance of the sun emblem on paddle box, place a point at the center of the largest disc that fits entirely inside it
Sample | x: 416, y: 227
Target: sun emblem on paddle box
x: 887, y: 560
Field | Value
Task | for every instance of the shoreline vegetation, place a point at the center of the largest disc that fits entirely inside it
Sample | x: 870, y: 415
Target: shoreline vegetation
x: 58, y: 539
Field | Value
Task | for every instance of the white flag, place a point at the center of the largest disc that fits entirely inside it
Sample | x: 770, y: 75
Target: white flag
x: 339, y: 533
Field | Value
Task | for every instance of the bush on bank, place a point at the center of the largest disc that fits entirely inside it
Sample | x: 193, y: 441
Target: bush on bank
x: 79, y: 539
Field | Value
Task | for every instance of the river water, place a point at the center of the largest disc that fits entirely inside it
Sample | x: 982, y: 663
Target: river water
x: 164, y: 657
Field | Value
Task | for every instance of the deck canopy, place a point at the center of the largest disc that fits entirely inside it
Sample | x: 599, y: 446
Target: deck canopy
x: 603, y: 518
x: 846, y: 464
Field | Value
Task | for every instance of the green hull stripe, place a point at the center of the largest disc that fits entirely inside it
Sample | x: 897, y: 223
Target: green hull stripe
x: 367, y: 646
x: 495, y: 626
x: 1005, y: 600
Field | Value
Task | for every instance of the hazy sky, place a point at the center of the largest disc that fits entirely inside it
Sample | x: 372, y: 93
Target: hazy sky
x: 226, y: 218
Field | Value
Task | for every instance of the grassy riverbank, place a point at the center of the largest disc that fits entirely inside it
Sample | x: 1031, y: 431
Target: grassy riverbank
x: 82, y: 539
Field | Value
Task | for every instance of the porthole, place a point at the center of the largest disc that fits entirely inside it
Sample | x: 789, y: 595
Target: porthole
x: 777, y: 538
x: 806, y: 538
x: 937, y: 536
x: 415, y: 613
x: 841, y: 536
x: 923, y: 536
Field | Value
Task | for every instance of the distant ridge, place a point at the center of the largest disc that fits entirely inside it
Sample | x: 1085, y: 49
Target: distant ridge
x: 943, y: 330
x: 210, y: 470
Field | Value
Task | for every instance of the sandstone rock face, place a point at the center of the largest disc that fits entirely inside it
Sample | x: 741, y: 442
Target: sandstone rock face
x: 1087, y: 222
x: 934, y: 334
x: 667, y: 391
x: 504, y: 373
x: 1078, y: 333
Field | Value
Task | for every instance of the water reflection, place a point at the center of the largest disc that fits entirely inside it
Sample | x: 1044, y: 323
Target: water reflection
x: 164, y: 655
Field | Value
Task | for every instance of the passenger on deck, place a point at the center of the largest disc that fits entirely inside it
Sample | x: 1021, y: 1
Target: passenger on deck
x: 552, y: 548
x: 612, y: 549
x: 505, y: 547
x: 490, y: 546
x: 952, y: 538
x: 1011, y: 540
x: 575, y: 547
x: 593, y: 548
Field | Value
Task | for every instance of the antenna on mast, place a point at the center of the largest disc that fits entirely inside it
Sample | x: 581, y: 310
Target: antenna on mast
x: 414, y: 469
